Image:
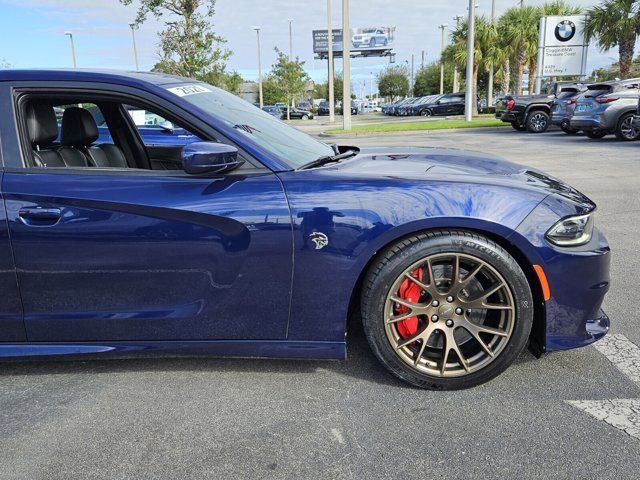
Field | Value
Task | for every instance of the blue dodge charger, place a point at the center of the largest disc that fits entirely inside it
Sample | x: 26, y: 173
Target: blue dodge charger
x: 253, y: 239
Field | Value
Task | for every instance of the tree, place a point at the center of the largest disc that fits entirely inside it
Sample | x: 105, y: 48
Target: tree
x: 486, y: 50
x: 229, y: 81
x: 290, y: 78
x: 616, y: 23
x: 188, y: 45
x: 393, y: 82
x: 321, y: 90
x: 427, y: 80
x: 518, y: 29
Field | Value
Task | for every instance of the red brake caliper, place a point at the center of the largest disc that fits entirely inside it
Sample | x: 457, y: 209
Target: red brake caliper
x: 410, y: 292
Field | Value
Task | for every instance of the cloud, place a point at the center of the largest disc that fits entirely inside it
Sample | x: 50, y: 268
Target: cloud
x: 105, y: 21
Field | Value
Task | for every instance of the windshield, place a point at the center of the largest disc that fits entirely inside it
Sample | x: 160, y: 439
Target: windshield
x: 291, y: 145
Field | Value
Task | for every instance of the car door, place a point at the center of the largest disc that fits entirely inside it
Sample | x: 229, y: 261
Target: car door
x: 11, y: 321
x: 142, y: 255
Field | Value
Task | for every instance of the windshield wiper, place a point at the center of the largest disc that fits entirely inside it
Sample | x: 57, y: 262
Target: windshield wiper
x: 328, y: 159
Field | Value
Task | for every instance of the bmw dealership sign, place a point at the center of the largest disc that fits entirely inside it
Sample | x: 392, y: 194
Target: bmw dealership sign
x: 563, y: 48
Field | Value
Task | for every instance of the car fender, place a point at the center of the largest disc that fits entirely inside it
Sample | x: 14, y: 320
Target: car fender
x: 537, y: 106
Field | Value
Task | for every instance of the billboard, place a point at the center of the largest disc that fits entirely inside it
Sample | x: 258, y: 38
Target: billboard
x: 563, y: 46
x: 363, y: 41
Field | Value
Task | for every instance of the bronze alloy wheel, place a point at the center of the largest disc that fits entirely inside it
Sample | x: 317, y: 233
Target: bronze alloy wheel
x: 465, y: 315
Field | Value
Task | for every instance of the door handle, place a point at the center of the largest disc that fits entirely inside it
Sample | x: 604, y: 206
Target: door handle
x: 39, y: 215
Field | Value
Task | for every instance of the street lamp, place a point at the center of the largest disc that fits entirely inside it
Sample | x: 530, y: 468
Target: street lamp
x: 470, y: 95
x: 73, y: 48
x: 332, y: 100
x: 257, y: 29
x: 135, y: 48
x: 442, y: 27
x: 346, y: 67
x: 290, y: 38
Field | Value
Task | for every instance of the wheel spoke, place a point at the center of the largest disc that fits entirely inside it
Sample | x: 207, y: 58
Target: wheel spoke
x: 487, y: 293
x: 455, y: 273
x: 402, y: 301
x: 462, y: 284
x: 475, y: 334
x: 452, y: 345
x: 409, y: 341
x: 420, y: 352
x: 400, y: 318
x: 424, y: 286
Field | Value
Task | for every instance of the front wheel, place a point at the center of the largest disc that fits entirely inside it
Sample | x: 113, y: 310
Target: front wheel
x: 426, y: 113
x: 537, y: 121
x: 305, y: 117
x: 625, y: 130
x: 446, y: 309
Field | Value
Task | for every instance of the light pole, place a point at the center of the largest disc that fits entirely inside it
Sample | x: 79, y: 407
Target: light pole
x: 490, y: 82
x: 290, y: 39
x: 470, y: 96
x: 332, y: 98
x: 442, y: 27
x: 73, y: 48
x: 135, y: 48
x: 456, y: 81
x: 346, y: 61
x: 257, y: 29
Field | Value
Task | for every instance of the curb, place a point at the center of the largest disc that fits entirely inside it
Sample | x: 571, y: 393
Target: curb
x: 408, y: 132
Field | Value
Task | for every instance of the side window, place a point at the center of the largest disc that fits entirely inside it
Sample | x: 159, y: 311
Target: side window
x: 156, y: 131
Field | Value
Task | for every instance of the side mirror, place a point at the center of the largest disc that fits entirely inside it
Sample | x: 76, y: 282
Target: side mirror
x: 167, y: 126
x: 209, y: 157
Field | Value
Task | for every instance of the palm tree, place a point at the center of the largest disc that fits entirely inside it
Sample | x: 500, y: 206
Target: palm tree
x: 518, y: 29
x: 615, y: 23
x: 485, y: 49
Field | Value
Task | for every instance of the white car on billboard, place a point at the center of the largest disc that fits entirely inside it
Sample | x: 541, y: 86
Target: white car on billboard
x: 371, y: 38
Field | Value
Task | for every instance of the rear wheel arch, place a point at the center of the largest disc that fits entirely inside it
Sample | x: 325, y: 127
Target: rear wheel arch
x: 538, y: 335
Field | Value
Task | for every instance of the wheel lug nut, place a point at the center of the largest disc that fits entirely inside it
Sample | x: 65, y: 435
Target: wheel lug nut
x: 449, y: 323
x: 434, y: 318
x: 449, y: 299
x: 435, y: 303
x: 458, y: 311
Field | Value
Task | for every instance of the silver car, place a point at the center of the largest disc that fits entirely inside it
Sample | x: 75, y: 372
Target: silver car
x: 607, y: 108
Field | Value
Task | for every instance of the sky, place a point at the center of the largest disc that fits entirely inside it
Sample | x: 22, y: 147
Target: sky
x: 32, y: 31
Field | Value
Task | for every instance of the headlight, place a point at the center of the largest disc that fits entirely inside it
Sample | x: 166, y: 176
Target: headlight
x: 572, y: 231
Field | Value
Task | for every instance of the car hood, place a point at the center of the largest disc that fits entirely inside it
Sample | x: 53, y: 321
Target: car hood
x: 438, y: 164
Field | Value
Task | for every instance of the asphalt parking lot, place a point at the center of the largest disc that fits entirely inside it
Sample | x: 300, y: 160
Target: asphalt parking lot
x: 224, y: 418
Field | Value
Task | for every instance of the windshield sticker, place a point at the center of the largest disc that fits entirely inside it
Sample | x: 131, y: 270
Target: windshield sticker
x: 186, y: 90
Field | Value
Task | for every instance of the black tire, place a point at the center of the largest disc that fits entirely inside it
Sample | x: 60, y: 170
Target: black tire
x: 568, y: 130
x: 305, y: 117
x: 393, y: 261
x: 625, y: 130
x: 537, y: 121
x: 518, y: 127
x: 426, y: 112
x: 595, y: 134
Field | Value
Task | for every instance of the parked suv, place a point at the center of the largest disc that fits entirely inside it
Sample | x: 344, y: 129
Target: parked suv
x: 449, y: 104
x: 607, y: 108
x: 370, y: 37
x: 563, y: 107
x: 323, y: 108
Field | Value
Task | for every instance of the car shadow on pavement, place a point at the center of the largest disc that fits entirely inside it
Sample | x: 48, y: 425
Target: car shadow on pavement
x: 360, y: 365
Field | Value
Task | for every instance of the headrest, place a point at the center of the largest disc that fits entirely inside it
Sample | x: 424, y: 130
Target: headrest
x: 79, y: 128
x: 42, y: 126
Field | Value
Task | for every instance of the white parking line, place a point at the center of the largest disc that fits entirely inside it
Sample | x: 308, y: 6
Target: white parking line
x: 624, y: 414
x: 623, y: 353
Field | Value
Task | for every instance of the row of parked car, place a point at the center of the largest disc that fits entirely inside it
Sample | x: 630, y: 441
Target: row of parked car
x: 427, y: 106
x: 598, y: 109
x: 280, y: 112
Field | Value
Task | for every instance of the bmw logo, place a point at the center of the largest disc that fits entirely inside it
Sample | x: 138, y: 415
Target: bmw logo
x: 565, y: 30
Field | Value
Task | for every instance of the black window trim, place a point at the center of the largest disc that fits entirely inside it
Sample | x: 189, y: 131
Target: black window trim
x: 21, y: 91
